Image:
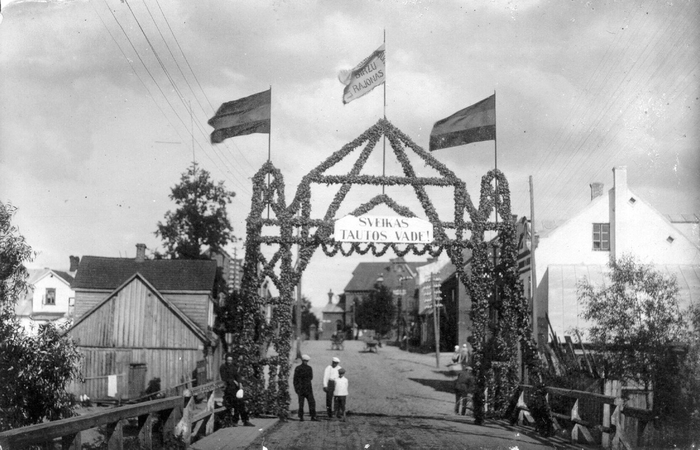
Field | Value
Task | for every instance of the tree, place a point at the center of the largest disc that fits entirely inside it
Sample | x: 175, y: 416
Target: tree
x: 634, y: 319
x: 200, y: 221
x: 376, y: 311
x: 34, y: 370
x: 307, y: 317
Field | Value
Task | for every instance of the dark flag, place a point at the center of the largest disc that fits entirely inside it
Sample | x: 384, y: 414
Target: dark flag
x: 474, y: 123
x: 247, y: 115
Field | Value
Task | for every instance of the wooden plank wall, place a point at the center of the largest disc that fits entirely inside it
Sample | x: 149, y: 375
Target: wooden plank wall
x: 84, y: 301
x: 135, y: 317
x: 134, y: 326
x: 171, y: 366
x: 195, y: 306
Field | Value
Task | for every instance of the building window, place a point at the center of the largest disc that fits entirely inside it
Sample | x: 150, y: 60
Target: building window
x: 50, y: 298
x: 601, y: 237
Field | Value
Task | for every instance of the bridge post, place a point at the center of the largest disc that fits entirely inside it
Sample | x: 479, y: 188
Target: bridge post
x: 146, y: 431
x: 72, y: 442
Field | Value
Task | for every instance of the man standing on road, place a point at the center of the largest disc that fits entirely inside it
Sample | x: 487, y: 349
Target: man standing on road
x: 233, y: 392
x: 329, y: 377
x: 303, y: 375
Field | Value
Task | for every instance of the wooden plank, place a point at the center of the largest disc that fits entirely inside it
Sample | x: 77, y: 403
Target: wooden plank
x: 115, y: 435
x: 72, y: 442
x: 36, y: 434
x: 146, y: 431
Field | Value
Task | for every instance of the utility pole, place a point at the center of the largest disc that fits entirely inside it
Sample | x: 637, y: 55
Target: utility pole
x: 436, y: 319
x: 298, y: 312
x: 533, y: 266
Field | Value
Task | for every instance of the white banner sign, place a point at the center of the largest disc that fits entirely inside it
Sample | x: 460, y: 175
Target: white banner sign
x: 383, y: 229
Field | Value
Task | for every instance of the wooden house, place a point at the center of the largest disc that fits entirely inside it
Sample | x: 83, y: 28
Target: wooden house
x: 138, y: 319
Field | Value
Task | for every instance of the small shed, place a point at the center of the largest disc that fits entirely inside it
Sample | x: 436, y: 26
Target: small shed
x: 134, y: 335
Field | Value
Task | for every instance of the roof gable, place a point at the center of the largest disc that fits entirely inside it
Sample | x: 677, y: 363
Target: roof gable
x: 364, y: 277
x: 103, y: 273
x: 174, y: 309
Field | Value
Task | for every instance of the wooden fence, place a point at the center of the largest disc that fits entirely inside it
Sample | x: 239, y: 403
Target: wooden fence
x: 184, y: 421
x: 607, y: 420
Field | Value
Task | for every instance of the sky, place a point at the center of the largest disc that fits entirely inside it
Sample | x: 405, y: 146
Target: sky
x: 104, y: 104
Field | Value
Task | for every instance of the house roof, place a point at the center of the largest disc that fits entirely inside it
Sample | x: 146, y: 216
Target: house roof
x: 65, y: 275
x: 96, y: 272
x: 565, y: 308
x: 364, y: 277
x: 683, y: 218
x: 332, y: 308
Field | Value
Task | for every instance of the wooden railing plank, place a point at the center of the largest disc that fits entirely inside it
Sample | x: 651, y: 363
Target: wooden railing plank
x: 37, y: 434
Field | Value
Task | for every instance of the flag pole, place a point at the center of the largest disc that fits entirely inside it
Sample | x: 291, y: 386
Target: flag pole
x: 495, y: 164
x: 384, y: 137
x: 269, y: 148
x: 269, y: 135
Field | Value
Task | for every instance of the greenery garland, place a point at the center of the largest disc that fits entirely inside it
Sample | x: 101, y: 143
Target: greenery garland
x: 268, y: 376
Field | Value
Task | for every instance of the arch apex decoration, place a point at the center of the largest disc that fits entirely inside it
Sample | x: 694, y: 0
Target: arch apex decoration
x: 261, y: 335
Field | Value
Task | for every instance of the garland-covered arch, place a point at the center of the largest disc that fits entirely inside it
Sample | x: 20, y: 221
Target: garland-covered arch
x: 258, y: 334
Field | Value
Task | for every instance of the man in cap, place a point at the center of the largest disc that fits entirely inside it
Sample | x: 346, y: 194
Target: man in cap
x: 303, y: 375
x: 233, y: 399
x: 329, y: 377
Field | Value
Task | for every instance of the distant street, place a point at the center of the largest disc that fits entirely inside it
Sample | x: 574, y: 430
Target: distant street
x: 397, y: 400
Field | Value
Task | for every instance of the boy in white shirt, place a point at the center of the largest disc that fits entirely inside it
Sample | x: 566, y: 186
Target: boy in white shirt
x: 341, y: 394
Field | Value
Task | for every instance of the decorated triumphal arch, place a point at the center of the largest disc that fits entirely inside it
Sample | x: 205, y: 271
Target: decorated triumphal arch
x: 263, y: 343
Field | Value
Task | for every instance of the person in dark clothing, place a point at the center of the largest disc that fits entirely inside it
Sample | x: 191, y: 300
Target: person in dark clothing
x: 464, y: 387
x: 233, y: 392
x: 303, y: 375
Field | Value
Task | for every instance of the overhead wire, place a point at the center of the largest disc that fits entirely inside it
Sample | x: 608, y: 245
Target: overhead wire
x: 179, y: 95
x: 604, y: 141
x: 240, y: 152
x: 579, y: 158
x: 228, y: 163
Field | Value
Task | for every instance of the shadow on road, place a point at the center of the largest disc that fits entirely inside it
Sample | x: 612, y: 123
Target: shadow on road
x: 438, y: 385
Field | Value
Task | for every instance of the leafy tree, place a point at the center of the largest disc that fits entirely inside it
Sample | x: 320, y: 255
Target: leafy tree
x: 634, y: 319
x: 376, y: 311
x: 307, y: 317
x: 200, y: 221
x: 34, y: 370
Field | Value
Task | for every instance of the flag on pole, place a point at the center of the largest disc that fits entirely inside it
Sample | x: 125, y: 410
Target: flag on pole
x: 364, y: 77
x: 243, y: 116
x: 474, y: 123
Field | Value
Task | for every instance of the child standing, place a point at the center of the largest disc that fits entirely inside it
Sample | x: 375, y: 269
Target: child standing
x: 341, y: 394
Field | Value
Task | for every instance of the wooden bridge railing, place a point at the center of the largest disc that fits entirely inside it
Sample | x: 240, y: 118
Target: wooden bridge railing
x: 175, y: 419
x: 604, y: 426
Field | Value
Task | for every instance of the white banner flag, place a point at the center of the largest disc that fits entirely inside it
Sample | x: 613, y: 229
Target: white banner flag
x: 367, y: 75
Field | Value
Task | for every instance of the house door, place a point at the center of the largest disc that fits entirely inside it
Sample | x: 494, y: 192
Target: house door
x: 137, y: 380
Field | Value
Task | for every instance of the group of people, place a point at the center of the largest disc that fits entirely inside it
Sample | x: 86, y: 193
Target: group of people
x: 464, y: 384
x: 335, y: 385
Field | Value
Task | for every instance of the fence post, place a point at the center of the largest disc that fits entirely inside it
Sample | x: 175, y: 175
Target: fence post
x: 72, y: 442
x: 115, y: 435
x: 209, y: 428
x: 146, y: 431
x: 186, y: 422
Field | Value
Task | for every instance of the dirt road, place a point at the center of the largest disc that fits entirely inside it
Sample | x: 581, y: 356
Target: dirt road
x: 397, y: 400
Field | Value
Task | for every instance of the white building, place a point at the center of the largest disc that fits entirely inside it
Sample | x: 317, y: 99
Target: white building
x: 612, y: 225
x: 50, y: 298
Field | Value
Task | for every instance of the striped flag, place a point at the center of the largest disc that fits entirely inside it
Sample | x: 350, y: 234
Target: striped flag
x: 243, y: 116
x: 474, y: 123
x: 364, y: 77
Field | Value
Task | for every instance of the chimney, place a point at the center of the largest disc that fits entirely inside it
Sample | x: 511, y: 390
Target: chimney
x: 74, y: 262
x: 140, y: 252
x: 596, y: 190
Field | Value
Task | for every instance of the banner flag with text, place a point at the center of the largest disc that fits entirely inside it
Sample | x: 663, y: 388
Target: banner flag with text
x: 367, y: 75
x: 474, y: 123
x: 243, y: 116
